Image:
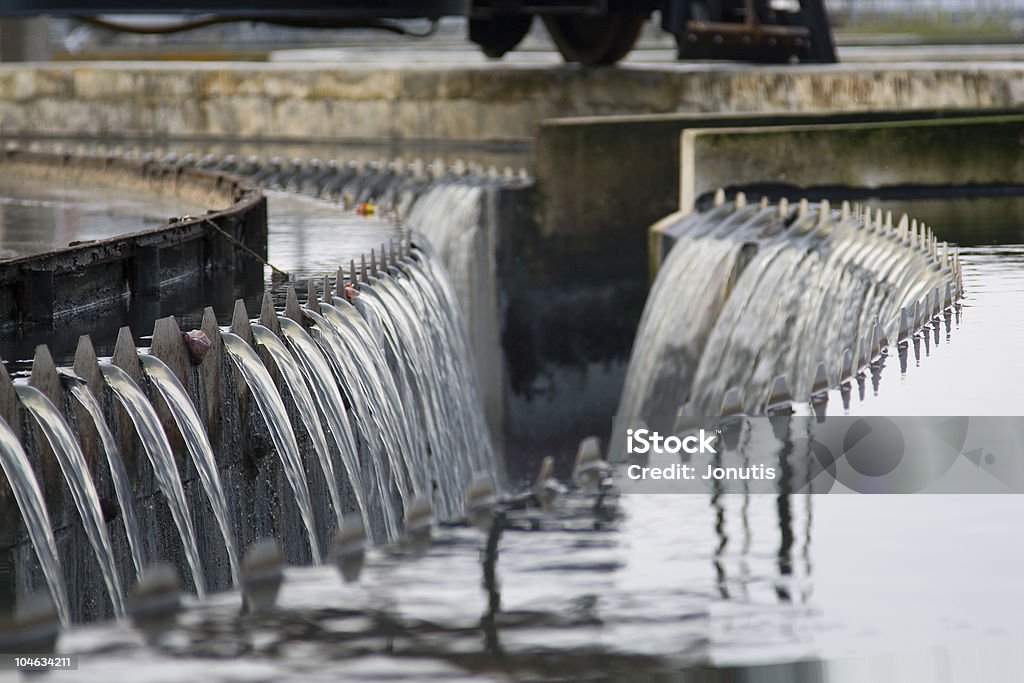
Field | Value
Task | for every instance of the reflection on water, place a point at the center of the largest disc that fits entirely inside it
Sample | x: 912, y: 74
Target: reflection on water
x: 311, y: 237
x: 38, y: 216
x: 675, y: 584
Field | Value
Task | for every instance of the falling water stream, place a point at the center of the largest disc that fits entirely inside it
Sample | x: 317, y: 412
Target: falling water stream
x: 276, y: 417
x: 122, y: 484
x: 399, y: 411
x: 158, y: 450
x: 392, y: 403
x: 30, y: 501
x: 307, y: 409
x: 430, y: 291
x: 353, y: 368
x: 83, y: 491
x: 319, y: 376
x: 194, y: 435
x: 756, y: 296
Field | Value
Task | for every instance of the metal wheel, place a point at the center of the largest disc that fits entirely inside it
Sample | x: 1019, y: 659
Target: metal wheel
x: 594, y: 39
x: 498, y: 35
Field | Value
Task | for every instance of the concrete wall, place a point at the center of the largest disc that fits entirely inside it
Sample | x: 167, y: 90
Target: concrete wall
x: 903, y: 154
x: 611, y: 177
x: 300, y: 102
x: 24, y: 39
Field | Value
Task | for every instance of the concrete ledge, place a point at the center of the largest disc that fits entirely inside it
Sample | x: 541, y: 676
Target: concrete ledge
x: 611, y: 177
x: 908, y: 154
x: 485, y: 103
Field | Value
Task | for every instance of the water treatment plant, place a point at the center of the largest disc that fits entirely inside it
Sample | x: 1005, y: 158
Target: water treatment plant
x: 342, y: 354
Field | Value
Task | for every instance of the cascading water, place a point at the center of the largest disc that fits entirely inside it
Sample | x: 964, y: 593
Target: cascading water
x: 396, y: 361
x: 451, y: 217
x: 422, y: 333
x: 751, y: 293
x: 359, y: 335
x: 276, y: 418
x: 401, y: 340
x: 429, y: 289
x: 30, y: 502
x: 319, y: 375
x: 83, y: 491
x: 307, y: 409
x: 448, y: 215
x: 194, y: 435
x: 355, y: 369
x: 158, y: 450
x: 122, y: 485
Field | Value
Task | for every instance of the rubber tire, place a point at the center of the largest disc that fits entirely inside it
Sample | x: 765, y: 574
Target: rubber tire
x: 594, y: 39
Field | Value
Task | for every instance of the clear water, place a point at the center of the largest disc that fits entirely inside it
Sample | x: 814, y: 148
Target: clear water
x: 158, y: 450
x: 37, y: 216
x: 193, y: 432
x: 272, y: 409
x: 312, y: 237
x: 22, y: 479
x: 293, y: 379
x: 122, y: 484
x: 65, y: 447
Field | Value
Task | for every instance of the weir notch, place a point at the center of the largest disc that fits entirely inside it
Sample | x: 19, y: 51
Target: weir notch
x: 268, y: 316
x: 312, y: 300
x: 210, y: 369
x: 44, y: 376
x: 240, y: 322
x: 168, y: 346
x: 8, y: 399
x: 292, y: 307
